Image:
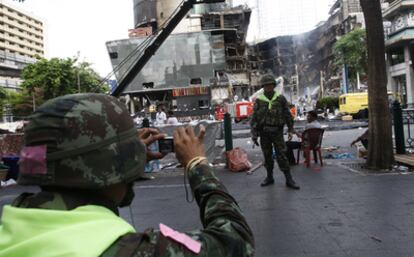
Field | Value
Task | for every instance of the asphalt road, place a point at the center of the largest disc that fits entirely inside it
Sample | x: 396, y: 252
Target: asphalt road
x: 336, y: 213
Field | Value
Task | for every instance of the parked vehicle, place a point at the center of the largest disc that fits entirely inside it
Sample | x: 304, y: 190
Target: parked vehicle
x: 356, y: 104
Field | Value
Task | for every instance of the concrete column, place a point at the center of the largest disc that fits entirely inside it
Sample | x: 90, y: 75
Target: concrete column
x: 409, y: 78
x: 132, y: 105
x: 390, y: 81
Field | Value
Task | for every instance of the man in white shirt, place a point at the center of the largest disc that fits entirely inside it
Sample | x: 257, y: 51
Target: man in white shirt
x: 161, y: 117
x: 313, y: 123
x: 172, y: 120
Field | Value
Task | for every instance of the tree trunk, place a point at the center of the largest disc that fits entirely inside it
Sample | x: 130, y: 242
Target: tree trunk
x: 380, y: 149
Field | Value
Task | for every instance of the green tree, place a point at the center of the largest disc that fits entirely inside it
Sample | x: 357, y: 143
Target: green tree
x: 58, y: 77
x: 48, y: 79
x: 351, y: 49
x: 328, y: 102
x: 3, y: 96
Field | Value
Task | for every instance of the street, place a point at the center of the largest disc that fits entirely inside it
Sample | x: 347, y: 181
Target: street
x: 336, y: 212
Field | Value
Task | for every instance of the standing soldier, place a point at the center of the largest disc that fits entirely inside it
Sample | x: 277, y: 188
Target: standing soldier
x: 84, y: 153
x: 271, y: 113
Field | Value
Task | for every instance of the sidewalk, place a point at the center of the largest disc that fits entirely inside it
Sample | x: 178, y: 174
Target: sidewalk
x: 336, y: 212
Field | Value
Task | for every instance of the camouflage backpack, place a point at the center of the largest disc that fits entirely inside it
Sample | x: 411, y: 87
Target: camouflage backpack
x: 81, y: 141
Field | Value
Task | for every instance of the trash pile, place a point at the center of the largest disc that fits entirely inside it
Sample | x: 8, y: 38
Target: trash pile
x: 339, y: 156
x: 335, y: 153
x: 401, y: 169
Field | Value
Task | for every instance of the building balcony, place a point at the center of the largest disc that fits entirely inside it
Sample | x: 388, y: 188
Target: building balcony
x: 396, y: 7
x: 400, y: 37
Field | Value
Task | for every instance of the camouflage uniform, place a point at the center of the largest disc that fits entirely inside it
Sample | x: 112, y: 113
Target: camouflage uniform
x: 268, y: 120
x: 81, y: 132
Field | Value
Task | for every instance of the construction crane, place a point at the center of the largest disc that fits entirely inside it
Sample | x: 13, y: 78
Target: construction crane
x: 158, y: 39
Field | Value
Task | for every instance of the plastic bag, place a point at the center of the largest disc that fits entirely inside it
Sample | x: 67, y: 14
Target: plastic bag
x: 237, y: 160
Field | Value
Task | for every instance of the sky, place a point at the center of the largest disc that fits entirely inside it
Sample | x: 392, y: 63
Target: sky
x: 82, y: 27
x: 281, y: 17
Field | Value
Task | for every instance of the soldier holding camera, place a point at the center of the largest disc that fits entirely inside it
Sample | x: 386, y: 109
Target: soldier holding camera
x: 84, y: 153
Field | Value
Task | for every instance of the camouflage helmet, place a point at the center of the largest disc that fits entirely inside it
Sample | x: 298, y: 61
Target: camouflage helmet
x: 90, y: 142
x: 267, y: 79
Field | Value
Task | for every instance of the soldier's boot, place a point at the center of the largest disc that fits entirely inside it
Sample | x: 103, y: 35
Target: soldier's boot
x: 269, y: 179
x: 290, y: 183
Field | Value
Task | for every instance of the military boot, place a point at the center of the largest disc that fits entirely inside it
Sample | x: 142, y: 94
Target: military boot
x: 269, y: 179
x: 290, y: 183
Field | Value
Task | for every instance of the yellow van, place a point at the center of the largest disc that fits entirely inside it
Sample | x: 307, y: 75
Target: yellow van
x: 353, y: 103
x: 357, y: 103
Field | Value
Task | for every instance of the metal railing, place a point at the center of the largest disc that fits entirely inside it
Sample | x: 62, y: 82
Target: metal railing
x: 403, y: 128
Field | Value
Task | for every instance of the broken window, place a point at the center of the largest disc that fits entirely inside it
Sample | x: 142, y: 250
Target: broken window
x: 397, y: 56
x: 231, y: 51
x: 148, y: 85
x: 113, y: 55
x: 196, y: 81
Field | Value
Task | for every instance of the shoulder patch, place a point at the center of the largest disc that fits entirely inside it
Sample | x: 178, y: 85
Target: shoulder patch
x: 33, y: 160
x: 181, y: 238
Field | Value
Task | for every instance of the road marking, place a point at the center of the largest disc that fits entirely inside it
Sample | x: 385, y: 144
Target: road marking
x: 3, y: 198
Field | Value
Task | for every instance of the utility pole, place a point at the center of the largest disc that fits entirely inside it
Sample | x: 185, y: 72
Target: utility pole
x: 322, y: 84
x: 297, y: 80
x: 34, y: 101
x: 259, y: 25
x: 79, y: 88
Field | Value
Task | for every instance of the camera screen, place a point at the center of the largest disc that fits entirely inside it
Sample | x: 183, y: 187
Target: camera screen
x: 166, y: 145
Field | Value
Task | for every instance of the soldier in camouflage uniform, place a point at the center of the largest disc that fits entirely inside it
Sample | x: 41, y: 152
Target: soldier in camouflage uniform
x: 84, y: 153
x: 270, y: 114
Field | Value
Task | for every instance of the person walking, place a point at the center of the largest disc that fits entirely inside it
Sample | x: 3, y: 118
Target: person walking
x: 85, y: 154
x: 270, y: 114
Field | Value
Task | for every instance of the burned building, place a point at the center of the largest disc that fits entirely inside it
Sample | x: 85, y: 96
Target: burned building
x: 307, y: 60
x: 232, y: 24
x: 196, y: 67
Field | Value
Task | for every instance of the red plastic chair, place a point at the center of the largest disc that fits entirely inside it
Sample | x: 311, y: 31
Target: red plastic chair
x: 311, y: 141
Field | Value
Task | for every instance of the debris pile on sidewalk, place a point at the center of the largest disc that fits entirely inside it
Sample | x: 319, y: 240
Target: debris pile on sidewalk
x: 7, y: 183
x: 360, y: 167
x: 339, y: 156
x: 334, y: 153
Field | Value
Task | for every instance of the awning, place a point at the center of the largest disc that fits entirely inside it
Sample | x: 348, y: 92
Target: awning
x: 401, y: 37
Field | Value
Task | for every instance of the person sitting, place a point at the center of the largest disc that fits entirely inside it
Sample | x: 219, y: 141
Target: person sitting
x: 312, y: 119
x: 363, y: 139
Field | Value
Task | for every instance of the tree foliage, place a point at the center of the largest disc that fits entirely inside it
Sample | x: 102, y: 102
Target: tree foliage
x: 58, y: 77
x: 351, y: 49
x: 328, y: 102
x: 3, y: 97
x: 48, y: 79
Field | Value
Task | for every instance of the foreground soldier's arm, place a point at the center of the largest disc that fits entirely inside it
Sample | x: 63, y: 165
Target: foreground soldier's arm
x: 225, y: 232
